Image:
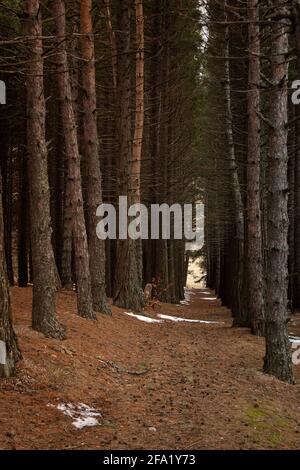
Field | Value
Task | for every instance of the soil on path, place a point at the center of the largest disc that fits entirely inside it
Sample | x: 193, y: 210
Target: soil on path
x: 169, y: 385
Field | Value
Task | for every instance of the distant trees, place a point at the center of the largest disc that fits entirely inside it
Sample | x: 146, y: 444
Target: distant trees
x: 224, y: 159
x: 111, y: 91
x: 127, y: 98
x: 10, y: 353
x: 257, y: 180
x: 128, y: 291
x: 240, y: 317
x: 81, y: 252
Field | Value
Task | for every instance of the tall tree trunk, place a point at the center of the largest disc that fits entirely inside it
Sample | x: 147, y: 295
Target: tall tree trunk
x: 254, y: 239
x: 109, y: 148
x: 83, y: 280
x: 278, y: 355
x: 9, y: 351
x: 292, y: 139
x: 7, y: 181
x: 92, y: 158
x: 296, y: 12
x: 240, y: 317
x: 67, y: 242
x: 136, y: 164
x: 44, y: 268
x: 139, y: 104
x: 23, y: 220
x: 128, y: 289
x: 113, y: 45
x: 161, y: 148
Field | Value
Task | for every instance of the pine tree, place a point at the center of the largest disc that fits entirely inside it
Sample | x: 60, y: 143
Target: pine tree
x: 253, y: 222
x: 278, y: 355
x: 81, y: 253
x: 128, y: 288
x: 92, y: 158
x: 44, y: 268
x: 10, y: 353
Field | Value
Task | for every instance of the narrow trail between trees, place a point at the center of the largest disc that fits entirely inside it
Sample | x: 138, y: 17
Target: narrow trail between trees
x: 127, y: 384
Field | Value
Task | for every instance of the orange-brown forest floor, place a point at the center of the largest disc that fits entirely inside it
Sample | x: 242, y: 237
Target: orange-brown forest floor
x: 157, y: 385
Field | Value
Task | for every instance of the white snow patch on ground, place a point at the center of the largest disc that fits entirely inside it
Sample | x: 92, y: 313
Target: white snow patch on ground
x: 142, y: 318
x: 179, y: 319
x: 294, y: 339
x: 2, y: 353
x: 81, y: 423
x: 162, y: 318
x: 187, y: 296
x: 81, y: 414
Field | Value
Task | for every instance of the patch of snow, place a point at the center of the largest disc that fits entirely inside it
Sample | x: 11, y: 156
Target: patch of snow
x: 162, y: 317
x: 187, y: 296
x: 142, y: 318
x: 2, y: 353
x: 81, y: 423
x: 294, y: 339
x: 81, y: 414
x: 179, y: 319
x: 208, y: 298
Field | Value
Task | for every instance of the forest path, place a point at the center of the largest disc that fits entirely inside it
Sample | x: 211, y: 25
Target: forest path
x: 169, y: 385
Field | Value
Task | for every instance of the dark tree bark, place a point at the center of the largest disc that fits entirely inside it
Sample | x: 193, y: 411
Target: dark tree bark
x: 92, y: 159
x: 254, y: 238
x: 67, y: 242
x: 161, y: 149
x: 81, y: 253
x: 44, y: 269
x: 8, y: 339
x: 23, y: 225
x: 278, y: 355
x: 240, y: 315
x: 128, y: 291
x: 7, y: 182
x: 296, y: 11
x: 293, y: 138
